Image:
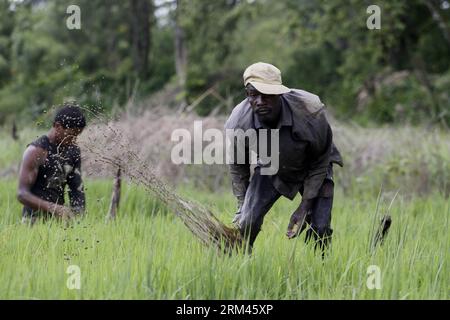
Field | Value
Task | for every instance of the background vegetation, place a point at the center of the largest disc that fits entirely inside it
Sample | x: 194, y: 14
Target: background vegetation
x: 131, y: 49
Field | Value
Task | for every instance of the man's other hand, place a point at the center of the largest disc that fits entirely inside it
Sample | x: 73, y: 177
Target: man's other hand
x: 297, y: 222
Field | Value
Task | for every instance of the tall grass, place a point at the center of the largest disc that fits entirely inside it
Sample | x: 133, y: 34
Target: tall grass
x: 149, y: 254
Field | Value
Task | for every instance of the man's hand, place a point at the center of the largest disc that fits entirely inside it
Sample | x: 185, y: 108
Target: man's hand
x: 297, y: 222
x: 63, y: 212
x: 236, y: 219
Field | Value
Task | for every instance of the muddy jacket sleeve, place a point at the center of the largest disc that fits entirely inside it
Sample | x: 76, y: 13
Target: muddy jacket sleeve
x: 240, y: 177
x: 240, y: 172
x: 319, y: 152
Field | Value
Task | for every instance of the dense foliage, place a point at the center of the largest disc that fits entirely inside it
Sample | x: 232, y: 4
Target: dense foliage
x: 399, y: 73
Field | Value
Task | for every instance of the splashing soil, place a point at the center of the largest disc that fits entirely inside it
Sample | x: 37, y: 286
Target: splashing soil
x: 197, y: 218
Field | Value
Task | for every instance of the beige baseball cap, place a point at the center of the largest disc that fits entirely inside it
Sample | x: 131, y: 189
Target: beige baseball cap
x: 266, y: 78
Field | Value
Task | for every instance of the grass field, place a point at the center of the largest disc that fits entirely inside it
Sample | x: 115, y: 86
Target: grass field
x: 147, y: 253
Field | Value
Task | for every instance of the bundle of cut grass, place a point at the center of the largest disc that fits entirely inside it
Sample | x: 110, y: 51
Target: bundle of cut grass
x: 197, y: 218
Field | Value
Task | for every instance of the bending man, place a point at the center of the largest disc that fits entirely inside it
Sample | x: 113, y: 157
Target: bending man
x: 305, y: 158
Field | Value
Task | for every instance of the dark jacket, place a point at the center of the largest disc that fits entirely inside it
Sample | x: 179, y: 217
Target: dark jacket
x: 306, y: 145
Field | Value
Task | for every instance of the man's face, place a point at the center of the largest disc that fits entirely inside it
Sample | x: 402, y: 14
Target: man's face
x: 66, y: 136
x: 267, y: 107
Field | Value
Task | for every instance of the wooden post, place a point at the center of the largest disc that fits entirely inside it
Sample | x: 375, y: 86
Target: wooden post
x: 115, y: 198
x: 14, y: 131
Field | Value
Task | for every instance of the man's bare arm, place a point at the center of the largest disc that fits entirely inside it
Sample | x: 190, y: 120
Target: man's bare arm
x: 33, y: 157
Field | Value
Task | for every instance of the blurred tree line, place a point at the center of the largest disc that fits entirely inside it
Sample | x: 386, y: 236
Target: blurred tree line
x: 135, y: 48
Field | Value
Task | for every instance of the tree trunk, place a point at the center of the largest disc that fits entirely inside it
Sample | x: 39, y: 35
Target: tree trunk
x: 437, y: 17
x: 180, y: 51
x: 140, y: 35
x: 422, y: 75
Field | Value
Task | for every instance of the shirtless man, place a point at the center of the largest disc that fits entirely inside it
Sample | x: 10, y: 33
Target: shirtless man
x: 49, y: 164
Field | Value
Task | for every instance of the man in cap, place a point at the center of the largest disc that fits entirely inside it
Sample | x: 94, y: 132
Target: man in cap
x: 305, y: 158
x: 49, y: 164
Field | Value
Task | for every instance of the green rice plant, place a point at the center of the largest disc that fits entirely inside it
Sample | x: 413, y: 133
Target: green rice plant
x: 146, y: 253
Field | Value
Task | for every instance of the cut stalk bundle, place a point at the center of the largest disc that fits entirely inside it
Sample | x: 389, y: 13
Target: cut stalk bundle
x: 197, y: 218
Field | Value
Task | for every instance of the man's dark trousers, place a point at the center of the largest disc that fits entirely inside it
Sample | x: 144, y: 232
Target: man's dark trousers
x: 260, y: 197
